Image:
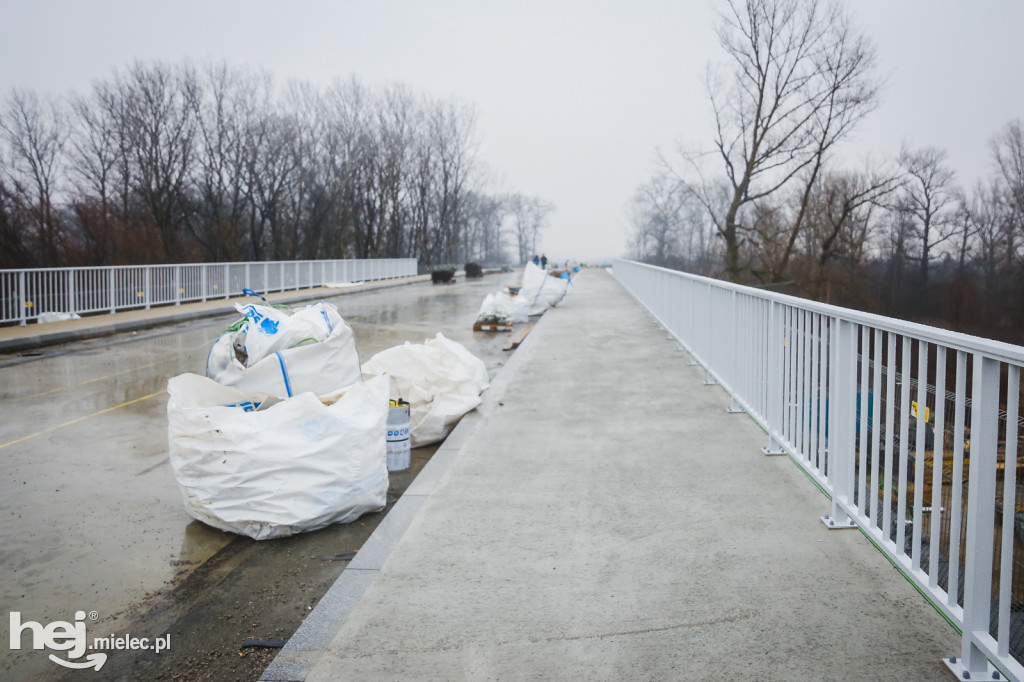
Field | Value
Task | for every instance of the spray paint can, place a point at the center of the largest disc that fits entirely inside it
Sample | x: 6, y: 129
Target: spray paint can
x: 398, y: 436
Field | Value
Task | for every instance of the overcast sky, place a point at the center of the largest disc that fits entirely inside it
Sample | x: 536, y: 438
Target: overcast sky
x: 573, y: 98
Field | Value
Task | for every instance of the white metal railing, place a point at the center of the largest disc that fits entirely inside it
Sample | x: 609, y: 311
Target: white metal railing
x: 935, y: 488
x: 24, y: 294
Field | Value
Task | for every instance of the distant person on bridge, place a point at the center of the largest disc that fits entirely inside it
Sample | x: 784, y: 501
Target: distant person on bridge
x: 543, y: 262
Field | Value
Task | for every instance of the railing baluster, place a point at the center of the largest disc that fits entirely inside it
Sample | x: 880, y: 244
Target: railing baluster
x: 814, y: 397
x: 919, y: 452
x: 1009, y: 507
x: 956, y: 504
x: 890, y: 427
x: 901, y: 487
x: 862, y: 418
x: 938, y: 462
x: 803, y: 381
x: 876, y: 432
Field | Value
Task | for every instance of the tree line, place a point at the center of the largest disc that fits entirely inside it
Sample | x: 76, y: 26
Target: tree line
x: 168, y: 163
x: 770, y: 202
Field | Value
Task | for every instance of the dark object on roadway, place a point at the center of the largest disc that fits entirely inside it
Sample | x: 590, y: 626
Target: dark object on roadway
x: 264, y: 643
x: 344, y: 556
x: 492, y: 323
x: 442, y: 276
x: 473, y: 270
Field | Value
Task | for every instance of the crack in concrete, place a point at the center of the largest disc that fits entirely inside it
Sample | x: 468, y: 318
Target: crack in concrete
x: 625, y: 633
x: 442, y: 646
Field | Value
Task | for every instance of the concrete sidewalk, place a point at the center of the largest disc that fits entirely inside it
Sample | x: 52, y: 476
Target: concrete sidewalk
x: 602, y: 516
x: 14, y: 339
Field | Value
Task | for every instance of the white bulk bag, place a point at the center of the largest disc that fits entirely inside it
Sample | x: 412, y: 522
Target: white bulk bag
x: 45, y: 318
x: 254, y: 464
x: 502, y: 303
x: 440, y: 380
x: 284, y: 355
x: 540, y: 291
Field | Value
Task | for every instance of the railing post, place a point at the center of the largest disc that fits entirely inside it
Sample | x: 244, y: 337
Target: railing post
x: 842, y: 455
x: 980, y: 517
x: 708, y: 352
x: 735, y: 381
x: 113, y: 291
x: 71, y: 290
x: 775, y: 392
x: 248, y: 285
x: 203, y: 280
x: 177, y: 285
x: 146, y: 287
x: 24, y: 298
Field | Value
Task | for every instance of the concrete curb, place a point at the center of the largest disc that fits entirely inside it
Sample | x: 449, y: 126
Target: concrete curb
x: 39, y: 340
x: 297, y: 658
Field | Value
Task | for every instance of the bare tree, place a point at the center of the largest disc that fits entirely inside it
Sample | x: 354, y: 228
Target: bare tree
x: 228, y: 110
x: 482, y: 236
x: 528, y: 216
x: 97, y: 161
x: 839, y: 214
x: 35, y: 133
x: 452, y: 129
x: 395, y: 124
x: 929, y: 198
x: 173, y: 162
x: 657, y: 214
x: 16, y: 245
x: 158, y: 131
x: 895, y: 246
x: 1008, y: 151
x: 270, y: 167
x: 800, y: 78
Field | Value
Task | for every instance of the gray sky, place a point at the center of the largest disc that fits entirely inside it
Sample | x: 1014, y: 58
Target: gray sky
x: 573, y: 98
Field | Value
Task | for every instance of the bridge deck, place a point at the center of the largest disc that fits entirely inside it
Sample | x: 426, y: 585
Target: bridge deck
x: 603, y: 516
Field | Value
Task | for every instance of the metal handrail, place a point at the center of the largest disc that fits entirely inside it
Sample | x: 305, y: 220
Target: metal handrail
x: 25, y: 294
x: 836, y: 390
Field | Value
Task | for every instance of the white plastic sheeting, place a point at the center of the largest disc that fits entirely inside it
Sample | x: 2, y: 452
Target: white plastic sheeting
x: 250, y: 463
x: 312, y: 350
x: 504, y: 304
x: 440, y: 379
x: 45, y: 318
x: 540, y: 291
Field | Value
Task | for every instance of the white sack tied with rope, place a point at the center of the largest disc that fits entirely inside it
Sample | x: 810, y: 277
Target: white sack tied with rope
x: 285, y: 354
x: 540, y: 291
x: 439, y: 378
x: 252, y: 463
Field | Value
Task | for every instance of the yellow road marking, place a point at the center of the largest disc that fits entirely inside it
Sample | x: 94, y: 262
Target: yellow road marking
x: 80, y: 419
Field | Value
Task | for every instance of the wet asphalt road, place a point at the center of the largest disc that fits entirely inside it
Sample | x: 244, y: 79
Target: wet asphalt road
x: 92, y: 519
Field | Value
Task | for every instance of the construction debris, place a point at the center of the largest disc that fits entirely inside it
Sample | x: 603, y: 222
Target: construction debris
x: 519, y: 337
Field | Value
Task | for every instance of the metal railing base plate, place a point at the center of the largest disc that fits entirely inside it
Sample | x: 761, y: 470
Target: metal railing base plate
x: 956, y: 666
x: 833, y: 524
